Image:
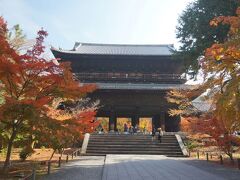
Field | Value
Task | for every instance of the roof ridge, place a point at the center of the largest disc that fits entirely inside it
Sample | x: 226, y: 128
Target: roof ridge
x: 113, y: 44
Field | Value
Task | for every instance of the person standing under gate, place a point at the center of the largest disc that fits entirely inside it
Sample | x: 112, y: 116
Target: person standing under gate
x: 131, y: 130
x: 153, y: 133
x: 125, y: 128
x: 160, y: 134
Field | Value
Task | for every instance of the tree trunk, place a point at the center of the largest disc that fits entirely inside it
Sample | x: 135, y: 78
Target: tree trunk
x: 31, y: 141
x: 62, y: 152
x: 9, y: 151
x: 52, y: 154
x: 231, y: 156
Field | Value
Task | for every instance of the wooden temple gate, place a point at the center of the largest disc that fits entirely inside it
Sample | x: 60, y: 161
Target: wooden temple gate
x: 132, y: 80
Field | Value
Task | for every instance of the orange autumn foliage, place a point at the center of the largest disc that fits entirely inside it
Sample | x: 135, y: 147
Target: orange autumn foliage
x: 211, y: 129
x: 221, y: 86
x: 29, y: 85
x: 190, y: 125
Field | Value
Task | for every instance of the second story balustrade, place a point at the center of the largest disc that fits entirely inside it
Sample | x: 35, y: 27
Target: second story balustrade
x: 130, y: 77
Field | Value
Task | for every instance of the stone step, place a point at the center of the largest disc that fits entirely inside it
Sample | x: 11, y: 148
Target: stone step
x: 131, y: 136
x: 136, y: 152
x: 100, y: 151
x: 137, y: 149
x: 103, y: 144
x: 137, y: 139
x: 127, y: 135
x: 134, y: 145
x: 132, y: 141
x: 134, y: 149
x: 139, y: 135
x: 97, y: 154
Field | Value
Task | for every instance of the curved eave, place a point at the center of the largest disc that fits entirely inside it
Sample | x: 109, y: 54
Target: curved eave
x: 59, y: 53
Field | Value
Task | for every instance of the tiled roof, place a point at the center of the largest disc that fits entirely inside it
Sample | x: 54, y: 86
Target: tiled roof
x: 120, y: 49
x: 201, y: 105
x: 132, y: 86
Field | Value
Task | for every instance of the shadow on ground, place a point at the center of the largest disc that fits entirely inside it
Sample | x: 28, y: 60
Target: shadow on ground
x: 143, y: 167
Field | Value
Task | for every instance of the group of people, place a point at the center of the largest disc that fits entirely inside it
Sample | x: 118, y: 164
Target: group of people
x: 130, y: 129
x: 100, y: 129
x: 135, y: 129
x: 155, y: 132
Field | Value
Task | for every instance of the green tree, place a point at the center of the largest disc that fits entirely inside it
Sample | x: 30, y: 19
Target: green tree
x: 194, y: 31
x: 220, y: 65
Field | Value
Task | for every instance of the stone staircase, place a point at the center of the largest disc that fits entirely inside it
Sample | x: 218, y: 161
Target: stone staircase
x: 102, y: 144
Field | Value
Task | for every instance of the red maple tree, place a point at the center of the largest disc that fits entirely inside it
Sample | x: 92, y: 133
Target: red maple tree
x: 29, y: 84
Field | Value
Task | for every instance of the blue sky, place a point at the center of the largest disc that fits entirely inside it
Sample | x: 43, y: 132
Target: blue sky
x: 97, y: 21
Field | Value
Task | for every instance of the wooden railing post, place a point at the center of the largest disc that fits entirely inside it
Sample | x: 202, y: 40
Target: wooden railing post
x: 221, y: 159
x: 67, y: 159
x: 34, y: 173
x: 49, y: 167
x: 207, y: 156
x: 238, y: 162
x: 72, y: 155
x: 198, y: 154
x: 59, y: 162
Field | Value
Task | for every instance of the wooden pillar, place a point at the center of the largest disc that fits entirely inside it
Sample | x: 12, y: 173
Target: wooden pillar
x: 178, y: 124
x: 112, y: 121
x: 133, y: 123
x: 156, y: 121
x: 162, y: 120
x: 135, y: 120
x: 135, y: 117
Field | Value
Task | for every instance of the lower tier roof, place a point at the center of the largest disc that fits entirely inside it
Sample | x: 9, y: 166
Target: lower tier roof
x: 136, y: 86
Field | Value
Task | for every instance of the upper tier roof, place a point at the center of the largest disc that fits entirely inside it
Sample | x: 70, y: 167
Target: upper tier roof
x: 120, y: 49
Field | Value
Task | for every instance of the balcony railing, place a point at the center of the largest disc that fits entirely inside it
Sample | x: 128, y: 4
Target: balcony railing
x: 129, y: 77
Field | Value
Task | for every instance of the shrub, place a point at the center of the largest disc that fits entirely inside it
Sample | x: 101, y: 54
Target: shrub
x: 25, y: 153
